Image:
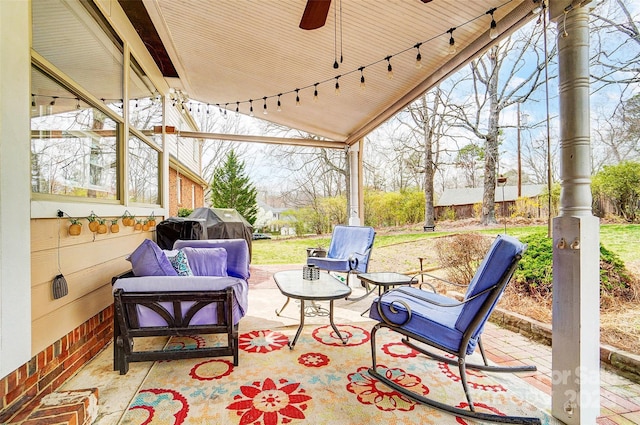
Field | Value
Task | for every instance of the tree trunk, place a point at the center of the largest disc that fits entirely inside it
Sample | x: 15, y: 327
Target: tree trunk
x: 491, y: 157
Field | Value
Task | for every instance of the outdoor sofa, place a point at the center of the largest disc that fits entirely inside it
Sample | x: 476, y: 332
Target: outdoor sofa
x: 199, y: 287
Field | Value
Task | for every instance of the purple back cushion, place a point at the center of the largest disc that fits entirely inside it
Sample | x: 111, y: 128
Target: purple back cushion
x: 207, y: 261
x: 149, y: 260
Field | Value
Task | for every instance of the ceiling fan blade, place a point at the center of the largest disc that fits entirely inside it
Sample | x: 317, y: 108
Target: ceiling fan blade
x: 315, y: 14
x: 426, y: 1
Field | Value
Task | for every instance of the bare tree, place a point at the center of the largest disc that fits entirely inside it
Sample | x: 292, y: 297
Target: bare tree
x: 428, y: 120
x: 508, y: 73
x: 615, y: 43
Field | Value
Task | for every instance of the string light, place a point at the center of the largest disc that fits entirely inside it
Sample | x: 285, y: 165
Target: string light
x: 452, y: 43
x: 237, y: 108
x: 251, y: 107
x: 264, y: 106
x: 493, y: 29
x: 451, y: 49
x: 418, y: 56
x: 33, y: 100
x: 77, y: 103
x: 53, y: 100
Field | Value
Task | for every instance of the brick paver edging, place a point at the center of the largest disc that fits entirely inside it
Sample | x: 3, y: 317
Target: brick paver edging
x: 619, y: 361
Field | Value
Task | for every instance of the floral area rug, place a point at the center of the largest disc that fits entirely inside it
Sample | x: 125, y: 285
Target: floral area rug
x: 320, y: 381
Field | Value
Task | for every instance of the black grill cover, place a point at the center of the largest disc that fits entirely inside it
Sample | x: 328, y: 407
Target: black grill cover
x: 170, y: 230
x: 224, y: 223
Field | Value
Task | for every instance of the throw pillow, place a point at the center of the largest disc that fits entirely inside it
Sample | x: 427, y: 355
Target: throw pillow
x: 149, y: 260
x: 207, y: 261
x: 180, y: 263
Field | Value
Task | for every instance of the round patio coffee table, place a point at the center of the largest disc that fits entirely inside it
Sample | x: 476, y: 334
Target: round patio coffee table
x: 325, y: 288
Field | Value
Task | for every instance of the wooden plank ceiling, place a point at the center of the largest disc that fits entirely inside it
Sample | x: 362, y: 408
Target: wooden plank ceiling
x: 228, y: 52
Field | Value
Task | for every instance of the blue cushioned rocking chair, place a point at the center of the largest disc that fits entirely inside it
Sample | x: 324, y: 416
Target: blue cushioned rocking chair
x: 450, y: 326
x: 349, y: 251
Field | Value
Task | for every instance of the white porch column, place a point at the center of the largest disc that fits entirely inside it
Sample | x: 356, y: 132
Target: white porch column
x: 576, y: 251
x: 15, y: 187
x: 354, y: 185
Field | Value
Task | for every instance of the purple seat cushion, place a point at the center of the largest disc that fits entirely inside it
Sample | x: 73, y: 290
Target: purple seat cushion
x: 207, y: 261
x: 149, y: 260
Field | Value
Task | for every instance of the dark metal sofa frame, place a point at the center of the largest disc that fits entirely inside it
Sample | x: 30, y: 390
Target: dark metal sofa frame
x: 126, y: 325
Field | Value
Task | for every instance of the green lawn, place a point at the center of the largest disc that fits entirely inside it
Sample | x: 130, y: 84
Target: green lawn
x: 623, y: 239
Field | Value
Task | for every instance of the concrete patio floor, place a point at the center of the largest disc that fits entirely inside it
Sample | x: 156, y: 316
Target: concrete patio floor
x: 619, y: 399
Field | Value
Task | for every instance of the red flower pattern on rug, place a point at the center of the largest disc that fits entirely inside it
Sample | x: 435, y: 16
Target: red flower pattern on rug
x: 262, y: 341
x: 477, y: 406
x: 474, y: 378
x: 274, y: 405
x: 211, y: 369
x: 327, y: 336
x: 159, y: 405
x: 371, y: 391
x: 400, y: 350
x: 313, y: 360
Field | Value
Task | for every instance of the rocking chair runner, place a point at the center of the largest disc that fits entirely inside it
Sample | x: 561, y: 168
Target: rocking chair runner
x: 451, y: 326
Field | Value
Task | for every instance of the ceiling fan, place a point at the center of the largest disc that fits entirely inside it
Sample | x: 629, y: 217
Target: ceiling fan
x: 315, y: 14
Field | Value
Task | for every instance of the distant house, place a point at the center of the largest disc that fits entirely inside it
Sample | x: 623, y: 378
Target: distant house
x: 462, y: 201
x: 270, y: 217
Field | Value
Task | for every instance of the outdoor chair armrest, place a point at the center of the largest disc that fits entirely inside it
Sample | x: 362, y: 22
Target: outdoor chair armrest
x: 439, y: 304
x: 354, y: 259
x: 434, y: 277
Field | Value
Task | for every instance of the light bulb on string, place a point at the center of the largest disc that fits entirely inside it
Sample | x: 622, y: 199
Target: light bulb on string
x: 226, y: 107
x: 493, y: 28
x: 363, y: 85
x: 208, y: 111
x: 315, y: 92
x: 337, y: 90
x: 237, y: 108
x: 297, y: 97
x: 279, y: 108
x: 77, y: 103
x: 418, y: 56
x: 51, y: 105
x: 251, y: 107
x: 264, y: 106
x: 33, y: 100
x: 452, y: 43
x: 389, y: 68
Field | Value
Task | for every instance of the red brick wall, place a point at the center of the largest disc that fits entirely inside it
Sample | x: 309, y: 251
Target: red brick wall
x: 187, y: 200
x: 22, y: 390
